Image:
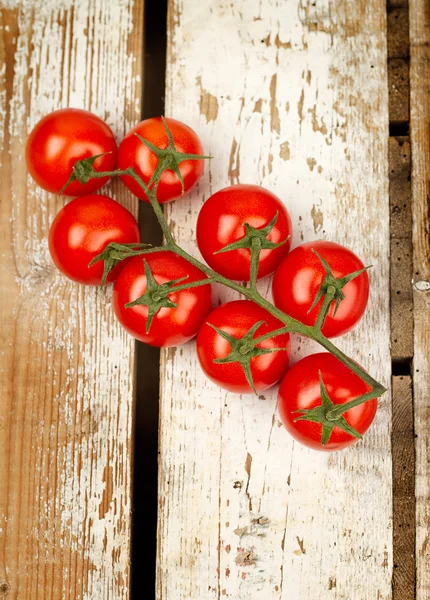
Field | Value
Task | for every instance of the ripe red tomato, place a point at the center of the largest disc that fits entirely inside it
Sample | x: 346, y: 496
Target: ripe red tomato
x: 82, y: 229
x: 237, y: 318
x: 59, y: 140
x: 133, y: 153
x: 170, y: 326
x: 300, y: 390
x: 299, y: 276
x: 221, y: 222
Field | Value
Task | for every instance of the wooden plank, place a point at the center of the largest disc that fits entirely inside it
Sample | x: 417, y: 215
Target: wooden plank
x: 419, y: 17
x: 398, y: 33
x: 403, y: 441
x: 293, y: 96
x: 398, y: 86
x: 66, y: 366
x: 401, y: 304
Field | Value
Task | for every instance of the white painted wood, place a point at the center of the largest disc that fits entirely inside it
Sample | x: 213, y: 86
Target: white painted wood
x: 291, y: 95
x: 66, y: 365
x: 419, y: 16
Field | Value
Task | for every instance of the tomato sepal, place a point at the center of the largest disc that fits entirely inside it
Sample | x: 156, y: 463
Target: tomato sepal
x: 252, y: 235
x: 324, y: 414
x: 156, y: 295
x: 243, y: 350
x: 168, y: 158
x: 83, y: 171
x: 113, y: 254
x: 331, y: 288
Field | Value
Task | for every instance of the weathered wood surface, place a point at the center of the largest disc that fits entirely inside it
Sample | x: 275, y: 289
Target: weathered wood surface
x: 66, y: 367
x: 401, y: 304
x: 419, y: 17
x: 398, y: 68
x: 294, y: 96
x: 403, y: 489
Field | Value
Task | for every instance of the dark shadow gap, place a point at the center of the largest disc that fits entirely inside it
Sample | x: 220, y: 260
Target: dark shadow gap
x: 401, y: 367
x: 399, y: 128
x: 147, y: 358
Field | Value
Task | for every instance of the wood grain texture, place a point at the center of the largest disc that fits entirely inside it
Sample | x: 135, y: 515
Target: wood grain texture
x: 419, y: 18
x: 403, y: 441
x: 398, y: 87
x: 398, y: 33
x: 401, y: 303
x: 291, y: 95
x: 66, y: 366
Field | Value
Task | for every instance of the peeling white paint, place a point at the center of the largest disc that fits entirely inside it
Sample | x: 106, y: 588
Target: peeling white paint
x: 337, y: 116
x: 73, y: 418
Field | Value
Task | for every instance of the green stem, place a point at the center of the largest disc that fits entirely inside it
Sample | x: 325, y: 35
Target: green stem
x: 322, y: 315
x: 271, y: 334
x: 377, y: 388
x: 192, y: 284
x: 292, y: 325
x: 128, y: 254
x: 150, y: 194
x: 255, y: 261
x: 335, y: 413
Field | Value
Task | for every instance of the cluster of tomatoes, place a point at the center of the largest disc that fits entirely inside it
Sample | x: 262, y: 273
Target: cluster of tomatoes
x: 144, y: 297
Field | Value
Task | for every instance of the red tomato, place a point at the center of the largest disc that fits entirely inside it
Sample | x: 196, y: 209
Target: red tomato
x: 82, y: 229
x: 299, y: 276
x: 221, y: 222
x: 300, y: 390
x: 170, y: 326
x: 236, y: 318
x: 133, y: 153
x: 59, y: 140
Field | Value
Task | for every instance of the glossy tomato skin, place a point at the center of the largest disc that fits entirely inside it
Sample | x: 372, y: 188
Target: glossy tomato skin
x: 170, y: 326
x: 82, y: 229
x: 299, y: 276
x: 237, y: 318
x: 300, y: 389
x: 221, y: 222
x: 133, y: 153
x: 59, y: 140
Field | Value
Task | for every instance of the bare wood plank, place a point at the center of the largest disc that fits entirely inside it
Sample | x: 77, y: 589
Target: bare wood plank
x: 400, y: 187
x: 292, y: 95
x: 419, y: 17
x: 401, y: 299
x: 403, y: 441
x: 398, y: 33
x: 398, y: 86
x: 66, y: 366
x: 401, y: 303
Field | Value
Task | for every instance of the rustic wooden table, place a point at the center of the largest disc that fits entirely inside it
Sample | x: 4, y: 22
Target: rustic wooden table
x: 300, y: 96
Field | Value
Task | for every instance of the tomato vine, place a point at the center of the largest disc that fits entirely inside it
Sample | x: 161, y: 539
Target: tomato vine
x: 328, y: 413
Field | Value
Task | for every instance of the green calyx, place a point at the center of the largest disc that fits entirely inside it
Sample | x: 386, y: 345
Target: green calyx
x: 255, y: 239
x: 324, y: 414
x: 243, y: 350
x: 332, y: 287
x: 113, y: 254
x: 168, y: 158
x: 83, y: 170
x: 156, y: 295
